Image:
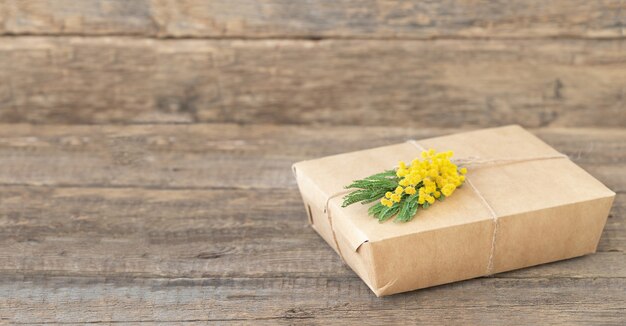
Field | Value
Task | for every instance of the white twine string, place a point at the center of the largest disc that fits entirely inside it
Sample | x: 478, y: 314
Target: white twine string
x: 330, y: 220
x: 495, y: 225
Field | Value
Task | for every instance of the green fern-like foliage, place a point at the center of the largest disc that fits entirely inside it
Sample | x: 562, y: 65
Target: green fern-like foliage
x: 402, y: 191
x: 373, y: 188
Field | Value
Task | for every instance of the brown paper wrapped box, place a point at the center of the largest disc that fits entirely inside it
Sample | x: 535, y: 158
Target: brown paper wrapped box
x: 531, y: 212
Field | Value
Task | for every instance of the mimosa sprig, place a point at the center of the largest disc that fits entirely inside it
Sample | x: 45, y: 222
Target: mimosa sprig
x: 401, y: 191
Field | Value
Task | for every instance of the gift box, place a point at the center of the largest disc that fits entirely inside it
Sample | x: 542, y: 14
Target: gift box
x: 526, y: 205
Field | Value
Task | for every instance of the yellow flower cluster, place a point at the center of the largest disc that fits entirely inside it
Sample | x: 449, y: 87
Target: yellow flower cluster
x: 430, y: 177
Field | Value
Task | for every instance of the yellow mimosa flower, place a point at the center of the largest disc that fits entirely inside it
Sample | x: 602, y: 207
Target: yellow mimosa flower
x: 386, y: 202
x: 448, y: 189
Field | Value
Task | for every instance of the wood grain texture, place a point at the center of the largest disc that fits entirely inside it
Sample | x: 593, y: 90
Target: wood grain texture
x: 443, y: 83
x: 202, y: 223
x: 232, y: 156
x: 315, y: 19
x: 202, y: 233
x: 312, y: 301
x: 126, y: 224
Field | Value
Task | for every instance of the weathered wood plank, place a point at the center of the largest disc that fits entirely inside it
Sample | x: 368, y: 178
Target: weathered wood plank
x: 231, y: 156
x: 443, y: 83
x: 487, y: 301
x: 338, y: 19
x: 137, y: 232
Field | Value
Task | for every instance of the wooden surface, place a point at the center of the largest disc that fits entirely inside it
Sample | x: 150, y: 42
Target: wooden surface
x: 204, y: 223
x: 454, y: 63
x: 444, y: 83
x: 311, y: 19
x: 145, y: 150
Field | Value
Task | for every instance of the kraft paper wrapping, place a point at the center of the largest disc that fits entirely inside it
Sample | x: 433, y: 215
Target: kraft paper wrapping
x: 546, y: 210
